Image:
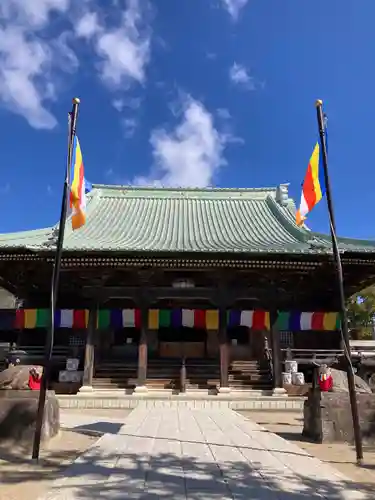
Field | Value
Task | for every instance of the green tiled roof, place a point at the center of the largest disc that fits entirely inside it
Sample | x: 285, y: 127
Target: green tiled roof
x: 129, y: 219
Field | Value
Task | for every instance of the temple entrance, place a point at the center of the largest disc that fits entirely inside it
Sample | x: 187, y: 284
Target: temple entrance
x: 239, y: 343
x: 182, y: 342
x: 119, y: 344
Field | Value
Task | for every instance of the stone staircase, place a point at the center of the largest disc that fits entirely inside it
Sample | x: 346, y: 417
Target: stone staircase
x: 201, y: 374
x: 111, y: 374
x: 250, y: 375
x: 166, y: 373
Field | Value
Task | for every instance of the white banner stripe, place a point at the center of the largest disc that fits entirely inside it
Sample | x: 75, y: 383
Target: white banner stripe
x: 247, y: 318
x: 306, y: 320
x: 66, y: 318
x: 128, y: 318
x: 304, y: 209
x: 188, y: 318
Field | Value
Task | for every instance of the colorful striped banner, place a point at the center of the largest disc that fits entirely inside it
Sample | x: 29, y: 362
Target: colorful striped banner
x: 40, y: 318
x: 7, y: 319
x: 256, y: 320
x: 131, y: 318
x: 76, y: 319
x: 318, y: 321
x: 176, y: 318
x: 212, y: 319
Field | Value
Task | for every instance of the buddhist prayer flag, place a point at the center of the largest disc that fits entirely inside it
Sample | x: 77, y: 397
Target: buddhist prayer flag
x: 131, y: 318
x: 256, y: 320
x: 33, y: 318
x: 189, y: 318
x: 313, y: 188
x: 212, y: 319
x: 318, y: 321
x: 78, y: 186
x: 176, y: 318
x: 153, y: 319
x: 7, y: 319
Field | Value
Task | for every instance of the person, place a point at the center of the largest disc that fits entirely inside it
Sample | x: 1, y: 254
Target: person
x: 34, y: 380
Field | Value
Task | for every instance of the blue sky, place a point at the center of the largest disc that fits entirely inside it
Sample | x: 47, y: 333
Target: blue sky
x: 187, y: 93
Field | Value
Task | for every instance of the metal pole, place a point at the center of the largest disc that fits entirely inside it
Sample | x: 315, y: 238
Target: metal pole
x: 54, y: 290
x: 340, y: 285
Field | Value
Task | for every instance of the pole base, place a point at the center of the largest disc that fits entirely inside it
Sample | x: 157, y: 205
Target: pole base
x: 224, y: 390
x: 86, y: 388
x: 140, y: 389
x: 279, y: 391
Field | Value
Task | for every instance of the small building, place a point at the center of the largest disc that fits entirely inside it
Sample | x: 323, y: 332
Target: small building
x: 217, y: 279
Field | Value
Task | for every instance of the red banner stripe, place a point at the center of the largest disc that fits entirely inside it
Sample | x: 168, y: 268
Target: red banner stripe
x: 137, y: 318
x: 79, y: 319
x: 317, y: 321
x: 259, y: 320
x: 20, y: 319
x: 199, y: 319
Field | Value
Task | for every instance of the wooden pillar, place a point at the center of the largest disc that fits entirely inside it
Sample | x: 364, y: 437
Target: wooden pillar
x: 142, y: 352
x: 88, y: 370
x: 276, y: 358
x: 224, y: 354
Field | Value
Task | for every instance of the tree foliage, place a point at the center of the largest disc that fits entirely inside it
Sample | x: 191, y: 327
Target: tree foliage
x: 361, y: 312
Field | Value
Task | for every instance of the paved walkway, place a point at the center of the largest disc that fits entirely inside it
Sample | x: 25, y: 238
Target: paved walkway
x: 196, y: 454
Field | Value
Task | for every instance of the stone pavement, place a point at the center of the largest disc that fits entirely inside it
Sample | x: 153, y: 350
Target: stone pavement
x: 198, y: 454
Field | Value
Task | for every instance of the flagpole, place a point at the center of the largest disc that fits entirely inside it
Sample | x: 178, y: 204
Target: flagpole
x: 340, y: 284
x: 54, y: 287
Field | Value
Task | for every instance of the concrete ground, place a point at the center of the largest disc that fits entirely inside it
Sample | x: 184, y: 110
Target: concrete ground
x: 289, y: 425
x: 186, y: 454
x: 22, y: 479
x: 196, y: 454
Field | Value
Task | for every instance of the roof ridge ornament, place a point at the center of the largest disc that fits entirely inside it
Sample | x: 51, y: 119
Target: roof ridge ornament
x: 282, y: 194
x: 52, y: 238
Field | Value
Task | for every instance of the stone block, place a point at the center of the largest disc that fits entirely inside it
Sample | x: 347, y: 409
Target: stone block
x: 328, y: 418
x: 18, y: 411
x: 17, y: 377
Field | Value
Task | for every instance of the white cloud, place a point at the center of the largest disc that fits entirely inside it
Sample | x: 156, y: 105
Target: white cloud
x: 223, y: 113
x: 34, y: 13
x: 124, y: 51
x: 33, y: 64
x: 240, y: 76
x: 234, y: 7
x: 88, y: 25
x: 27, y: 60
x: 191, y: 154
x: 129, y: 125
x: 121, y: 103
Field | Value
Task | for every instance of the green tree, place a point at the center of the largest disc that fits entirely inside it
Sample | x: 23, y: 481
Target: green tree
x: 361, y: 312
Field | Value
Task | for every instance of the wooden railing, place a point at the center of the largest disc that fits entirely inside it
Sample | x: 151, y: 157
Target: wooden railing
x: 362, y: 348
x: 313, y: 356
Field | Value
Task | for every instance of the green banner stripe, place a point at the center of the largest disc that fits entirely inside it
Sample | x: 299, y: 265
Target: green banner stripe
x: 283, y: 321
x: 338, y: 321
x: 42, y: 318
x: 164, y: 318
x: 104, y: 318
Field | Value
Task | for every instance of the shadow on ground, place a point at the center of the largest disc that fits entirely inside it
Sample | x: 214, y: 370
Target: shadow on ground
x: 121, y: 475
x: 98, y: 428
